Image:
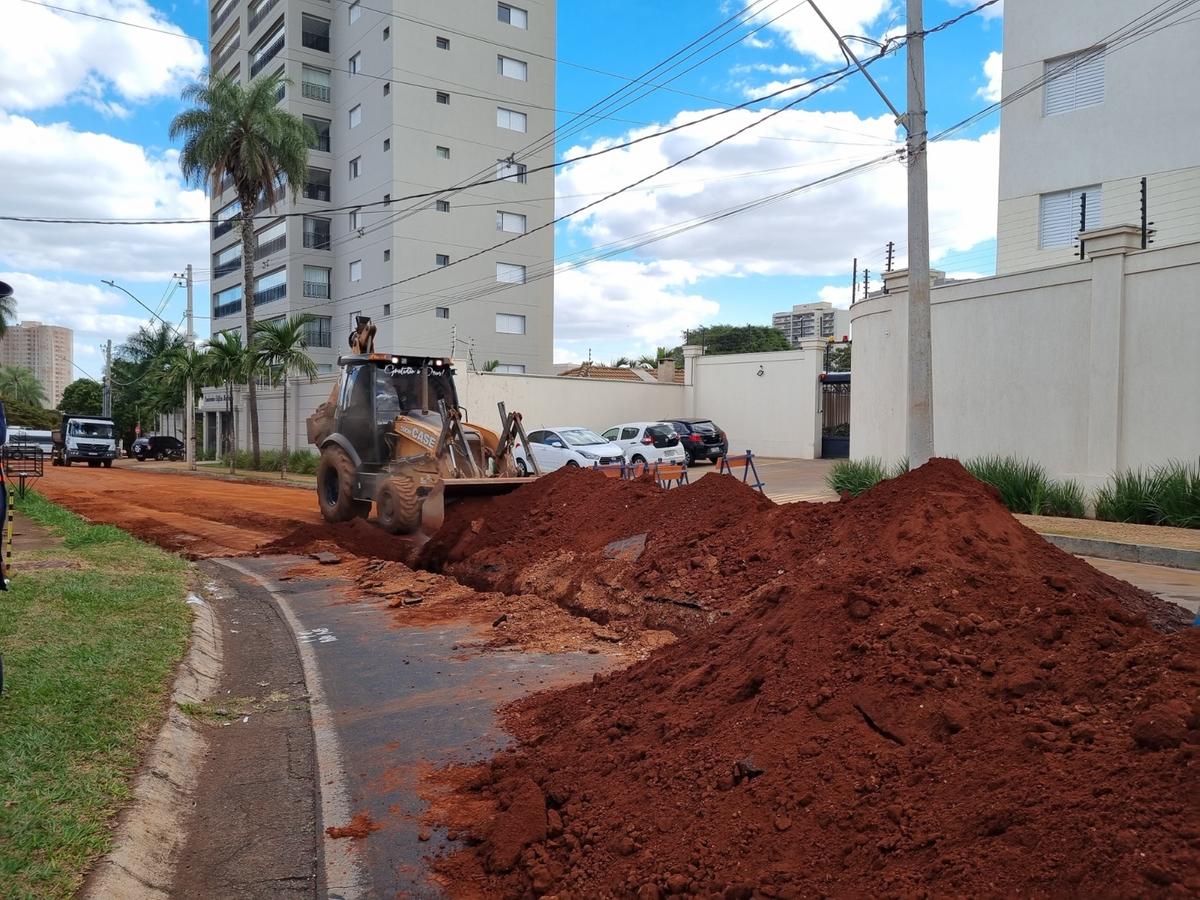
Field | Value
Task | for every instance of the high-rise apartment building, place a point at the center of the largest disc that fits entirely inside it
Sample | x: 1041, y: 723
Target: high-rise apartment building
x: 405, y: 99
x: 1113, y: 102
x: 46, y: 350
x: 813, y: 321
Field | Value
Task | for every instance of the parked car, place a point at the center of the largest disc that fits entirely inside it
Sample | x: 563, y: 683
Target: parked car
x: 158, y: 446
x: 647, y: 442
x: 566, y: 445
x: 701, y: 439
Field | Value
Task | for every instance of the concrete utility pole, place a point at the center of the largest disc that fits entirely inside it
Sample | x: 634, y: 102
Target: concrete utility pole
x: 920, y: 347
x: 107, y: 404
x: 189, y: 337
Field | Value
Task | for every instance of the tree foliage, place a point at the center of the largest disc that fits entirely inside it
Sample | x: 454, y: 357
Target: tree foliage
x: 83, y: 397
x: 18, y: 384
x: 839, y: 358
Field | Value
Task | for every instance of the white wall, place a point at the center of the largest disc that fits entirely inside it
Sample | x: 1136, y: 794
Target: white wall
x: 773, y: 414
x: 1085, y: 368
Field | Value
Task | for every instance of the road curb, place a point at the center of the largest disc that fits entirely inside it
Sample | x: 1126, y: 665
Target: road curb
x: 344, y: 877
x: 151, y: 831
x: 1138, y: 553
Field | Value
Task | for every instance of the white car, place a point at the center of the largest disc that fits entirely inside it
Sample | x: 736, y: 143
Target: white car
x: 566, y: 445
x: 648, y: 442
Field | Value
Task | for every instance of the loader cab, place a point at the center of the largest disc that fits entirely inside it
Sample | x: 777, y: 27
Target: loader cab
x: 376, y: 389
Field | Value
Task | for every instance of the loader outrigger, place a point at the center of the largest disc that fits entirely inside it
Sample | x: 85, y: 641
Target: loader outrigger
x: 393, y: 434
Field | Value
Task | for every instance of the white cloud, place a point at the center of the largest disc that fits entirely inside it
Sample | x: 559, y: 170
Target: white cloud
x: 56, y: 171
x: 639, y: 305
x: 93, y: 312
x: 995, y: 11
x: 52, y: 57
x: 993, y: 70
x: 837, y: 294
x: 815, y: 233
x: 805, y: 32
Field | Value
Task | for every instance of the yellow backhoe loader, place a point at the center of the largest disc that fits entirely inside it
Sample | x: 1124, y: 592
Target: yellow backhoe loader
x: 392, y: 434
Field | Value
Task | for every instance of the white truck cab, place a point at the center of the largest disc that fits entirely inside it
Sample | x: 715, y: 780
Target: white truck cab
x: 89, y: 439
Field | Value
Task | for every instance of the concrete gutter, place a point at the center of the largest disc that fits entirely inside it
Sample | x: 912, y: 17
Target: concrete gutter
x: 1138, y: 553
x: 151, y: 832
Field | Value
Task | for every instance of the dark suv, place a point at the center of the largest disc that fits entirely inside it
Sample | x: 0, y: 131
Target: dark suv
x: 159, y: 446
x: 701, y: 439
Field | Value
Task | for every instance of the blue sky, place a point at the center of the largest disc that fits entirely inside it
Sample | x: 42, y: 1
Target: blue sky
x: 83, y: 129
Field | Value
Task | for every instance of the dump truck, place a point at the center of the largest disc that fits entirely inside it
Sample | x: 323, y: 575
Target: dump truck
x: 90, y: 439
x: 392, y: 436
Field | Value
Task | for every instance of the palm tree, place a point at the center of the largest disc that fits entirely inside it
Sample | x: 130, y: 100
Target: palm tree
x: 8, y: 311
x: 281, y: 346
x: 184, y: 363
x: 237, y: 133
x: 226, y: 362
x: 19, y: 385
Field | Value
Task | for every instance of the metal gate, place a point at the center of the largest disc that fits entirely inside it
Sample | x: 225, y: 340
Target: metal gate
x: 835, y: 415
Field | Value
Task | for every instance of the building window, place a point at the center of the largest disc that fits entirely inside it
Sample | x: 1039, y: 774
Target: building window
x: 442, y: 259
x: 511, y: 171
x: 512, y: 68
x: 316, y: 282
x: 510, y: 273
x: 509, y: 324
x: 355, y: 62
x: 510, y: 119
x: 511, y: 222
x: 387, y: 144
x: 271, y: 239
x: 387, y: 32
x: 355, y: 218
x: 270, y: 287
x: 227, y: 261
x: 443, y: 98
x: 509, y: 369
x: 1060, y: 215
x: 511, y: 15
x: 442, y: 312
x: 387, y: 309
x: 1074, y: 82
x: 315, y: 83
x: 443, y: 43
x: 355, y: 11
x: 227, y: 302
x: 442, y: 206
x: 319, y: 332
x: 314, y: 33
x: 316, y: 233
x: 387, y: 255
x: 356, y: 270
x: 320, y: 129
x: 356, y: 116
x: 443, y: 152
x: 355, y: 167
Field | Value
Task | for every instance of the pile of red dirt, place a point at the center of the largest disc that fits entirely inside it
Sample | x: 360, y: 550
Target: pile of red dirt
x: 926, y: 699
x: 358, y: 536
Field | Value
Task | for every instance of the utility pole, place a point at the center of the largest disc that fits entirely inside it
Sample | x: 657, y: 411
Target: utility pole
x: 189, y: 337
x: 854, y: 283
x: 107, y: 405
x: 920, y: 347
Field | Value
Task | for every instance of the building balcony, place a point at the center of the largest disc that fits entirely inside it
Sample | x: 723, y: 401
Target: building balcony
x: 263, y: 10
x: 315, y: 41
x: 316, y: 240
x: 312, y: 91
x: 223, y: 17
x: 272, y: 246
x: 265, y: 55
x: 317, y: 192
x: 227, y: 268
x: 225, y: 54
x: 227, y: 309
x: 317, y: 289
x: 223, y: 227
x: 270, y: 295
x: 317, y: 334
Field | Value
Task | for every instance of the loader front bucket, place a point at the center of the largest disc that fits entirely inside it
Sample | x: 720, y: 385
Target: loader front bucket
x: 457, y: 488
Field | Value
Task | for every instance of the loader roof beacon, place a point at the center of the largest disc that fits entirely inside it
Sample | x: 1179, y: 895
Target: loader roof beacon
x: 393, y: 435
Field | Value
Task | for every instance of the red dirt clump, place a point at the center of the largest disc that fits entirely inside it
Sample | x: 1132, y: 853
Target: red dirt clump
x: 360, y: 826
x: 358, y: 536
x: 929, y: 699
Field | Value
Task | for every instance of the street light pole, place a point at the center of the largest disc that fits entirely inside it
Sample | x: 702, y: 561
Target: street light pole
x: 190, y: 401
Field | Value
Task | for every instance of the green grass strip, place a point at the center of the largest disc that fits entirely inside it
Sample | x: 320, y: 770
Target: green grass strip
x: 89, y: 654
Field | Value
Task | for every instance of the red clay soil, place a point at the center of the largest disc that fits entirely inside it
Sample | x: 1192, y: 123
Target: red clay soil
x: 919, y: 697
x: 360, y: 826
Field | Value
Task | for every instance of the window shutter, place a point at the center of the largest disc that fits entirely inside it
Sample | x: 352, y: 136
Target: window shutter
x: 1060, y: 215
x: 1089, y: 79
x: 1074, y: 82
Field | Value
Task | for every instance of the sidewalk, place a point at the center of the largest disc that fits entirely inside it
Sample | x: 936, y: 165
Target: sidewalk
x: 1151, y: 544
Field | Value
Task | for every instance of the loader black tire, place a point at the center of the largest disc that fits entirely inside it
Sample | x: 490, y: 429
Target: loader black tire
x: 335, y: 486
x: 398, y: 507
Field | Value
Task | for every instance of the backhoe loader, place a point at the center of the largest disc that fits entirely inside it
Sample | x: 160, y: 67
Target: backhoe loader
x: 393, y: 435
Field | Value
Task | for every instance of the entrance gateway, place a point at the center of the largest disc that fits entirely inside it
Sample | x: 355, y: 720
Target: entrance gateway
x: 835, y: 415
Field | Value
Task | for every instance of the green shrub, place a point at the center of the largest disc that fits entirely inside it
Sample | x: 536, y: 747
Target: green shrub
x: 853, y: 476
x: 299, y: 462
x: 1022, y: 483
x: 302, y: 462
x: 901, y: 467
x: 1166, y: 495
x: 1064, y: 498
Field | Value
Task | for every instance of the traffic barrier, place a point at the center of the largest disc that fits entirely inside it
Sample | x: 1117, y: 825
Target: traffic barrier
x: 743, y: 464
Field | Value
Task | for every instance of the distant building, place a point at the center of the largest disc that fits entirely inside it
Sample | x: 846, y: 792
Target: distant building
x: 1102, y: 114
x: 48, y: 351
x: 813, y: 321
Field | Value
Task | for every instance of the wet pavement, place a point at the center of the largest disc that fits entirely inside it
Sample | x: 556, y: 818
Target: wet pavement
x: 1180, y: 586
x: 405, y: 701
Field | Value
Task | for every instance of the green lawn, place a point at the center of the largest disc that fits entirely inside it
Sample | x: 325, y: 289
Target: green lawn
x: 89, y: 654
